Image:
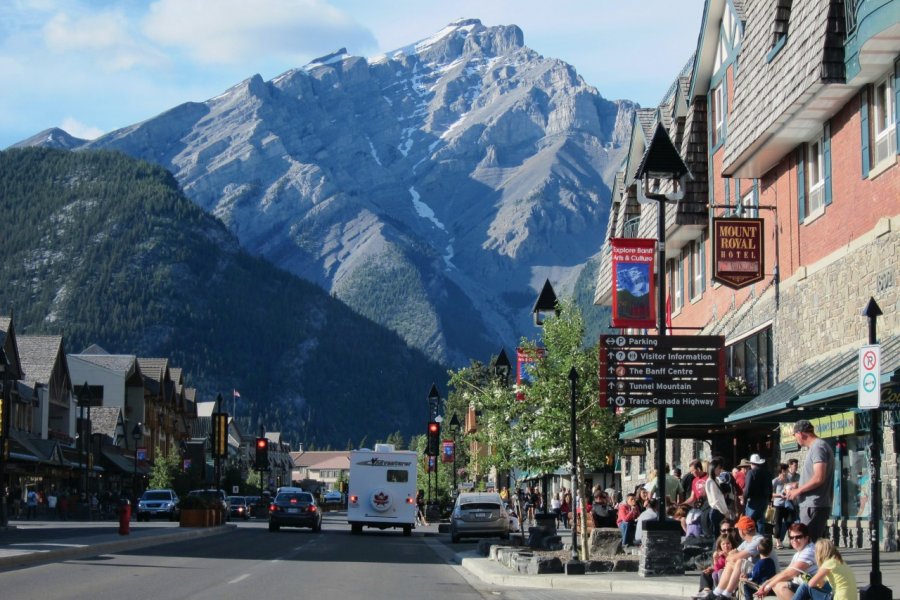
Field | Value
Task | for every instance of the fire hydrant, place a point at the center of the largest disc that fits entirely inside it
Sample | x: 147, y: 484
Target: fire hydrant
x: 124, y: 517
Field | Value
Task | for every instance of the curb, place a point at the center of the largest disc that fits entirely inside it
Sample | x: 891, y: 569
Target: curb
x: 108, y: 547
x: 488, y: 572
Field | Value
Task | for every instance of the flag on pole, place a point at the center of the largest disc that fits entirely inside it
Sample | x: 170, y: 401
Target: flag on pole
x: 236, y: 393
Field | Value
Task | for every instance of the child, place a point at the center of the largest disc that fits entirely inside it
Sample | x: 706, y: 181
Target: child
x: 762, y: 571
x: 693, y: 521
x: 709, y: 576
x: 833, y: 568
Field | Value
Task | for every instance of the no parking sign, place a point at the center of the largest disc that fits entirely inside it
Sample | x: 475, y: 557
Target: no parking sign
x: 869, y: 390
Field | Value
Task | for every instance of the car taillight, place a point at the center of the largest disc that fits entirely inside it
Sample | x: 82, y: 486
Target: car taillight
x: 410, y: 500
x: 312, y: 508
x: 354, y: 499
x: 273, y: 507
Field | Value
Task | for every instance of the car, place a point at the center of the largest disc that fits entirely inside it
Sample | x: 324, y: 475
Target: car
x: 479, y: 514
x: 239, y: 507
x: 216, y: 497
x: 294, y: 509
x: 157, y: 503
x: 333, y: 497
x: 251, y: 504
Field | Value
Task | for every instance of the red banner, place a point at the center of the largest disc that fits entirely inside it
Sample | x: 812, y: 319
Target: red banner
x: 447, y: 451
x: 524, y: 359
x: 634, y: 291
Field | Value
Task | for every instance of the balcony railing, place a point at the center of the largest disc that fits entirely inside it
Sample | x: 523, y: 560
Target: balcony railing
x: 851, y: 8
x: 630, y: 229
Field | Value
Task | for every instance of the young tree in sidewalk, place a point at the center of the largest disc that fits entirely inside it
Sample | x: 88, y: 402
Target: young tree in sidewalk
x: 164, y: 470
x: 542, y: 433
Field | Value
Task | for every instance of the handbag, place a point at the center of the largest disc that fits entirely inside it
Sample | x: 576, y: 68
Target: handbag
x: 770, y: 514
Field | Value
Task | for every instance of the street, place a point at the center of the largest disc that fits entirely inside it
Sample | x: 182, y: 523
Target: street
x: 252, y: 562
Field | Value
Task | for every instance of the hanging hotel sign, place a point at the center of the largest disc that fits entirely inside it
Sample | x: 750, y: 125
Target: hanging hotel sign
x: 737, y: 251
x: 633, y: 283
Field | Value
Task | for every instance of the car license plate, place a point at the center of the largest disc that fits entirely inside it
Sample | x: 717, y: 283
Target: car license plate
x: 481, y: 515
x: 293, y: 510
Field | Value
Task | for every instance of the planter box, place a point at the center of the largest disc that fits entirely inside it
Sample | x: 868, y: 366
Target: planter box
x: 194, y: 517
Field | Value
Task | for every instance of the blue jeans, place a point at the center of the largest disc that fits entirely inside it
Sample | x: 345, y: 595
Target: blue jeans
x: 804, y: 592
x: 627, y: 528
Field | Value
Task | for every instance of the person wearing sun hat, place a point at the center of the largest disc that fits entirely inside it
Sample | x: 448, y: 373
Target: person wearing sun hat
x: 757, y: 492
x: 814, y: 493
x: 731, y: 574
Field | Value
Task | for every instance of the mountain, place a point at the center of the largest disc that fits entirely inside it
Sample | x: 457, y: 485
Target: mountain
x: 432, y: 189
x: 51, y: 138
x: 105, y: 249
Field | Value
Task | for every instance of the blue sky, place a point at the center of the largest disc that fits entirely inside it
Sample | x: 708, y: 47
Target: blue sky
x: 92, y: 66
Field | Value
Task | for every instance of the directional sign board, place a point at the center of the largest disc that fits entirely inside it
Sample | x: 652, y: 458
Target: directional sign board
x: 870, y: 376
x: 662, y: 371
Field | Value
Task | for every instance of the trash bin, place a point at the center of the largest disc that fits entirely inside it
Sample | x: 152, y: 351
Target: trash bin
x: 124, y: 517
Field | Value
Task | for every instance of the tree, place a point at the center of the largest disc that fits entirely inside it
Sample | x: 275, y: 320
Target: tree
x: 542, y: 432
x: 165, y: 469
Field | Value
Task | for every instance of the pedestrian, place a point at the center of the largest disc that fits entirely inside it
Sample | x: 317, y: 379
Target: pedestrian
x: 748, y: 550
x: 803, y: 564
x: 672, y: 487
x: 565, y: 508
x: 709, y: 576
x: 697, y: 493
x: 625, y: 520
x: 757, y: 492
x: 721, y: 493
x: 420, y: 508
x: 784, y: 509
x: 31, y: 502
x: 833, y: 569
x: 51, y: 502
x: 601, y: 511
x: 740, y: 476
x: 648, y: 514
x: 814, y: 494
x: 556, y: 507
x: 762, y: 571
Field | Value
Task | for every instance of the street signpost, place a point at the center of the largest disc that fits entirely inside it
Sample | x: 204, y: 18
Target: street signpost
x: 870, y: 376
x: 662, y: 371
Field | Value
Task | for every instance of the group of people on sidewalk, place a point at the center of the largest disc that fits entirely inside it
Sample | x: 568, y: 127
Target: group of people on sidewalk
x: 745, y: 562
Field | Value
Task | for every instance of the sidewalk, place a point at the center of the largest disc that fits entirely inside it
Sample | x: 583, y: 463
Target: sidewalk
x: 678, y: 586
x: 30, y: 542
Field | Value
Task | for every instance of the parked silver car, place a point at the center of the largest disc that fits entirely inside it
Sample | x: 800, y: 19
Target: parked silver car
x: 479, y: 514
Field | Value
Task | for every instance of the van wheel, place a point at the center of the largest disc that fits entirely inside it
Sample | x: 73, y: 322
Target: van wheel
x: 407, y: 530
x: 356, y: 528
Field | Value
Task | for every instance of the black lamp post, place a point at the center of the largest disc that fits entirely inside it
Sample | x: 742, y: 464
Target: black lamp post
x: 4, y: 436
x: 84, y: 435
x: 454, y: 427
x: 502, y: 366
x: 137, y: 433
x: 545, y: 304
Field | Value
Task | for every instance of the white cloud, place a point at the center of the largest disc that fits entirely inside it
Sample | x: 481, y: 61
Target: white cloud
x: 231, y: 31
x: 80, y: 130
x: 105, y: 37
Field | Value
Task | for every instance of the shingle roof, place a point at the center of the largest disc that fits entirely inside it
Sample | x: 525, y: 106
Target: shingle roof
x: 769, y: 89
x: 38, y: 354
x: 315, y: 457
x: 105, y: 420
x: 117, y: 363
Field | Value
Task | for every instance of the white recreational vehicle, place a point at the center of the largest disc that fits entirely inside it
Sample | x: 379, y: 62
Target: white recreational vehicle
x: 382, y: 489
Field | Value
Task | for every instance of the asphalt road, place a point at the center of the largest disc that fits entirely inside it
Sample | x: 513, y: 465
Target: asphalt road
x: 293, y: 563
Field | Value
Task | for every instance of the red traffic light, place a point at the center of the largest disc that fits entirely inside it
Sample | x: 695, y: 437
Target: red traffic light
x: 433, y: 428
x: 262, y: 443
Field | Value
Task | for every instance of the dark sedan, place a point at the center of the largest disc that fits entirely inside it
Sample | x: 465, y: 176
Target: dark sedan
x: 294, y: 509
x: 238, y: 507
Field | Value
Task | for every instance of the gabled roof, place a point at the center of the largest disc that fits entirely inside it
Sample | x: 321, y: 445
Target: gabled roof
x: 335, y: 462
x: 116, y: 363
x: 154, y: 371
x: 38, y: 354
x: 106, y: 420
x: 9, y: 345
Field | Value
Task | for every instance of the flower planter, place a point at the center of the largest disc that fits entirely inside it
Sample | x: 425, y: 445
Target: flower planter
x: 193, y: 517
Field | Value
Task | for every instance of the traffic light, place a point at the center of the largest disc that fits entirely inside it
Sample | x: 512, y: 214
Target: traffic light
x: 434, y: 439
x: 262, y: 454
x: 220, y: 435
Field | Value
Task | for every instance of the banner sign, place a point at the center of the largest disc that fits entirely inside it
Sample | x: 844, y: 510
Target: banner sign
x: 447, y: 450
x: 430, y: 463
x: 737, y: 251
x: 633, y: 304
x: 662, y: 371
x: 141, y: 453
x: 633, y: 449
x: 524, y: 359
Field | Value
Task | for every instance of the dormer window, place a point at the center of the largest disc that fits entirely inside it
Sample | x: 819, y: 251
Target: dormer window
x: 780, y: 27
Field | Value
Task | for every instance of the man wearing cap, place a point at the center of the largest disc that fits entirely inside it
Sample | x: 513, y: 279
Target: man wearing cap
x: 731, y: 574
x: 814, y: 494
x: 757, y: 492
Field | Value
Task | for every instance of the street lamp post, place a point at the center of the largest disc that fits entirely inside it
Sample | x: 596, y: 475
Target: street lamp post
x: 137, y: 433
x: 4, y: 436
x: 545, y: 304
x: 454, y: 427
x: 573, y: 566
x: 84, y: 438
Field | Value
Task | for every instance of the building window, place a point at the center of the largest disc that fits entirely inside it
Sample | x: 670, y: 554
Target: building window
x: 884, y: 126
x: 752, y: 360
x: 749, y: 205
x: 697, y: 451
x: 815, y: 177
x: 697, y: 265
x: 676, y: 283
x: 626, y: 466
x: 717, y: 108
x: 642, y: 464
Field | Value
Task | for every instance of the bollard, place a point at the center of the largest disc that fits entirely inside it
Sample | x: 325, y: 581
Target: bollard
x: 124, y: 517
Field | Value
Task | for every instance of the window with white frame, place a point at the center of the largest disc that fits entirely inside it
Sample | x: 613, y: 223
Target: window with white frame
x: 884, y: 126
x: 697, y: 275
x: 718, y: 113
x: 815, y: 176
x: 676, y: 283
x: 749, y: 207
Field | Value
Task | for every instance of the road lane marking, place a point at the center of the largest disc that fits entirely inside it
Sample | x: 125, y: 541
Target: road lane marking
x: 241, y: 578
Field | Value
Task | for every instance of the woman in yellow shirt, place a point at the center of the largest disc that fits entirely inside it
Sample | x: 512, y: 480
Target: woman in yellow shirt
x: 833, y: 568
